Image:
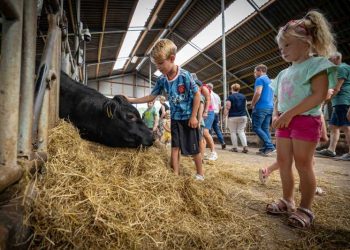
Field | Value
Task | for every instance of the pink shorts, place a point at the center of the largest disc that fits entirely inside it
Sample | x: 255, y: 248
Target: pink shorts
x: 302, y: 127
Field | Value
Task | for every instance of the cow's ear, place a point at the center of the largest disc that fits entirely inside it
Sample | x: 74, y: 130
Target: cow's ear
x: 109, y: 108
x: 120, y: 99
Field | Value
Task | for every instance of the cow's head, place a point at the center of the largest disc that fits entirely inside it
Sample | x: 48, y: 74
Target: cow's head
x: 125, y: 127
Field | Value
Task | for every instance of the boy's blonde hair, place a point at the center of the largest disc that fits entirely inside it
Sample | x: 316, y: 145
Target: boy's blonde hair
x: 314, y: 29
x: 162, y: 50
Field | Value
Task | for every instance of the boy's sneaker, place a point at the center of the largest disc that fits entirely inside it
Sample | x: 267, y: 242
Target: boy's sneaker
x: 199, y: 177
x: 325, y: 153
x: 213, y: 156
x: 261, y: 149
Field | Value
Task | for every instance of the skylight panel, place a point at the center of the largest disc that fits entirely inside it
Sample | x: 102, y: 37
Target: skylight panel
x: 141, y: 14
x: 235, y: 13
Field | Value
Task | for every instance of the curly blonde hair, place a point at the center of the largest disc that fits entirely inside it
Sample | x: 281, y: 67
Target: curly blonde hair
x: 314, y: 29
x: 162, y: 50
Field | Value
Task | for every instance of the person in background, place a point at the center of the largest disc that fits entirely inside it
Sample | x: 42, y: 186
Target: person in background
x: 216, y: 101
x: 166, y: 136
x: 340, y: 98
x: 184, y: 100
x: 162, y: 113
x: 208, y: 116
x: 262, y: 106
x: 203, y: 105
x: 300, y: 90
x: 237, y: 117
x: 150, y: 118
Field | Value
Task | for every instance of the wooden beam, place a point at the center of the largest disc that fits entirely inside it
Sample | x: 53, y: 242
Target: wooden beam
x: 105, y: 8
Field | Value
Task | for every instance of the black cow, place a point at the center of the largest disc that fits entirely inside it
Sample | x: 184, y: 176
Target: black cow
x: 112, y: 122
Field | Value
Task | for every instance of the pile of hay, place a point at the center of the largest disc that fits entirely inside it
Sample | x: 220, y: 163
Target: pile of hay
x: 96, y: 197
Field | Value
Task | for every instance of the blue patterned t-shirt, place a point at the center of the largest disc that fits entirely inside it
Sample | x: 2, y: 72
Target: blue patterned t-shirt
x: 180, y: 92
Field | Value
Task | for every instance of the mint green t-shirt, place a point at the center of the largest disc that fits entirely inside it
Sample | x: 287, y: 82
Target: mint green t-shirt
x: 149, y: 117
x: 343, y: 96
x: 293, y: 84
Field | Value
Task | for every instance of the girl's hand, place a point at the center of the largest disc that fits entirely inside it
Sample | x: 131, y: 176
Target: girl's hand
x: 330, y: 93
x: 283, y: 120
x: 205, y: 114
x: 274, y: 119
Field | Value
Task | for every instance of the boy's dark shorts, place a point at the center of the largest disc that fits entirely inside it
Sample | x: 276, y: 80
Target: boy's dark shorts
x: 184, y: 137
x: 339, y: 116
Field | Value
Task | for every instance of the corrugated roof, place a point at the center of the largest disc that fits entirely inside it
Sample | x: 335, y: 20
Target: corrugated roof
x: 247, y: 44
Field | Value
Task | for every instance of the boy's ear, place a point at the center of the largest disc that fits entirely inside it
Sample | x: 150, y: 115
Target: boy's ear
x: 172, y: 58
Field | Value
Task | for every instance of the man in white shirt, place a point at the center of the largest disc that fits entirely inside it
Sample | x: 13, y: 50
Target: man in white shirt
x: 216, y: 102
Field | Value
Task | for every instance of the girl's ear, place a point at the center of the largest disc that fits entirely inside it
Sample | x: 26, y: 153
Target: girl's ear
x: 172, y: 58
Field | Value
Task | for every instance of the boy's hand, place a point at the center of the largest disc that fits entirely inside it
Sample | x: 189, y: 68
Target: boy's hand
x: 193, y: 122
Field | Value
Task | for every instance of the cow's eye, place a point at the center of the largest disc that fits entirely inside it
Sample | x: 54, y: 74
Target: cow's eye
x: 131, y: 116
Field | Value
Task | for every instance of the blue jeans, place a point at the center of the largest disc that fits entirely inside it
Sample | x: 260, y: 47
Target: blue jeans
x: 217, y: 129
x: 261, y: 124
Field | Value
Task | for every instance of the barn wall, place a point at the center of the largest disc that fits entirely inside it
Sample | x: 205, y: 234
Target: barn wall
x: 129, y: 85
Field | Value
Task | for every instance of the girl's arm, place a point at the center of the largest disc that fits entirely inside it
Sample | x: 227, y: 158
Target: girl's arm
x: 319, y: 88
x: 166, y: 125
x: 206, y: 94
x: 193, y: 122
x: 200, y: 112
x: 163, y: 111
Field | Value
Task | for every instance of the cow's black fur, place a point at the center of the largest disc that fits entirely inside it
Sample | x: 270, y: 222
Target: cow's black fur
x: 112, y: 122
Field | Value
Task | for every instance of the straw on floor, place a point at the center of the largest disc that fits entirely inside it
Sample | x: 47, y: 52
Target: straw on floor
x: 95, y: 197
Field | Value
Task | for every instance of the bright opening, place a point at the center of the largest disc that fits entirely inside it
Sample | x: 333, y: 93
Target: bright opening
x: 234, y: 14
x: 141, y: 14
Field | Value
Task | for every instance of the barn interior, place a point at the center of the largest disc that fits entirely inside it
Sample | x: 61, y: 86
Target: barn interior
x: 100, y: 44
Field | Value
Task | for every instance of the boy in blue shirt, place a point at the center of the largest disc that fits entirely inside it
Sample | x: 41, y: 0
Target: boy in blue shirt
x: 184, y: 100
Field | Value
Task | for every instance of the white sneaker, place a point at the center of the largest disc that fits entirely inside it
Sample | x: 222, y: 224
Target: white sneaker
x: 205, y: 156
x: 213, y: 156
x: 199, y: 177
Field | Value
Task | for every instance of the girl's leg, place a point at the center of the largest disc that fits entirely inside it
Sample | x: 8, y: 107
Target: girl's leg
x: 209, y: 140
x: 284, y: 162
x: 303, y: 155
x: 198, y: 161
x: 175, y: 160
x: 272, y: 168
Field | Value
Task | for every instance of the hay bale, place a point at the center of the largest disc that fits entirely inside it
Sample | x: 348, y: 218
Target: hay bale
x: 96, y: 197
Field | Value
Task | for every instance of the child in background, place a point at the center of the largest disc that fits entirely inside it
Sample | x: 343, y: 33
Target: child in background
x: 184, y: 100
x: 150, y: 118
x: 300, y: 90
x: 166, y: 137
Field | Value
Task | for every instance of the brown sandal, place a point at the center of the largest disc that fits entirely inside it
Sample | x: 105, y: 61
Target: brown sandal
x: 302, y: 218
x: 281, y: 206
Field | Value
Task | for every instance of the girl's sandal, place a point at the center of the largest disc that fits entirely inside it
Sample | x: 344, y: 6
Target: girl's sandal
x: 281, y: 206
x: 263, y: 175
x: 302, y: 218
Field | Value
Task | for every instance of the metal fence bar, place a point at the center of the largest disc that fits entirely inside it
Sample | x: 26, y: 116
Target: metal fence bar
x: 10, y: 72
x: 27, y: 80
